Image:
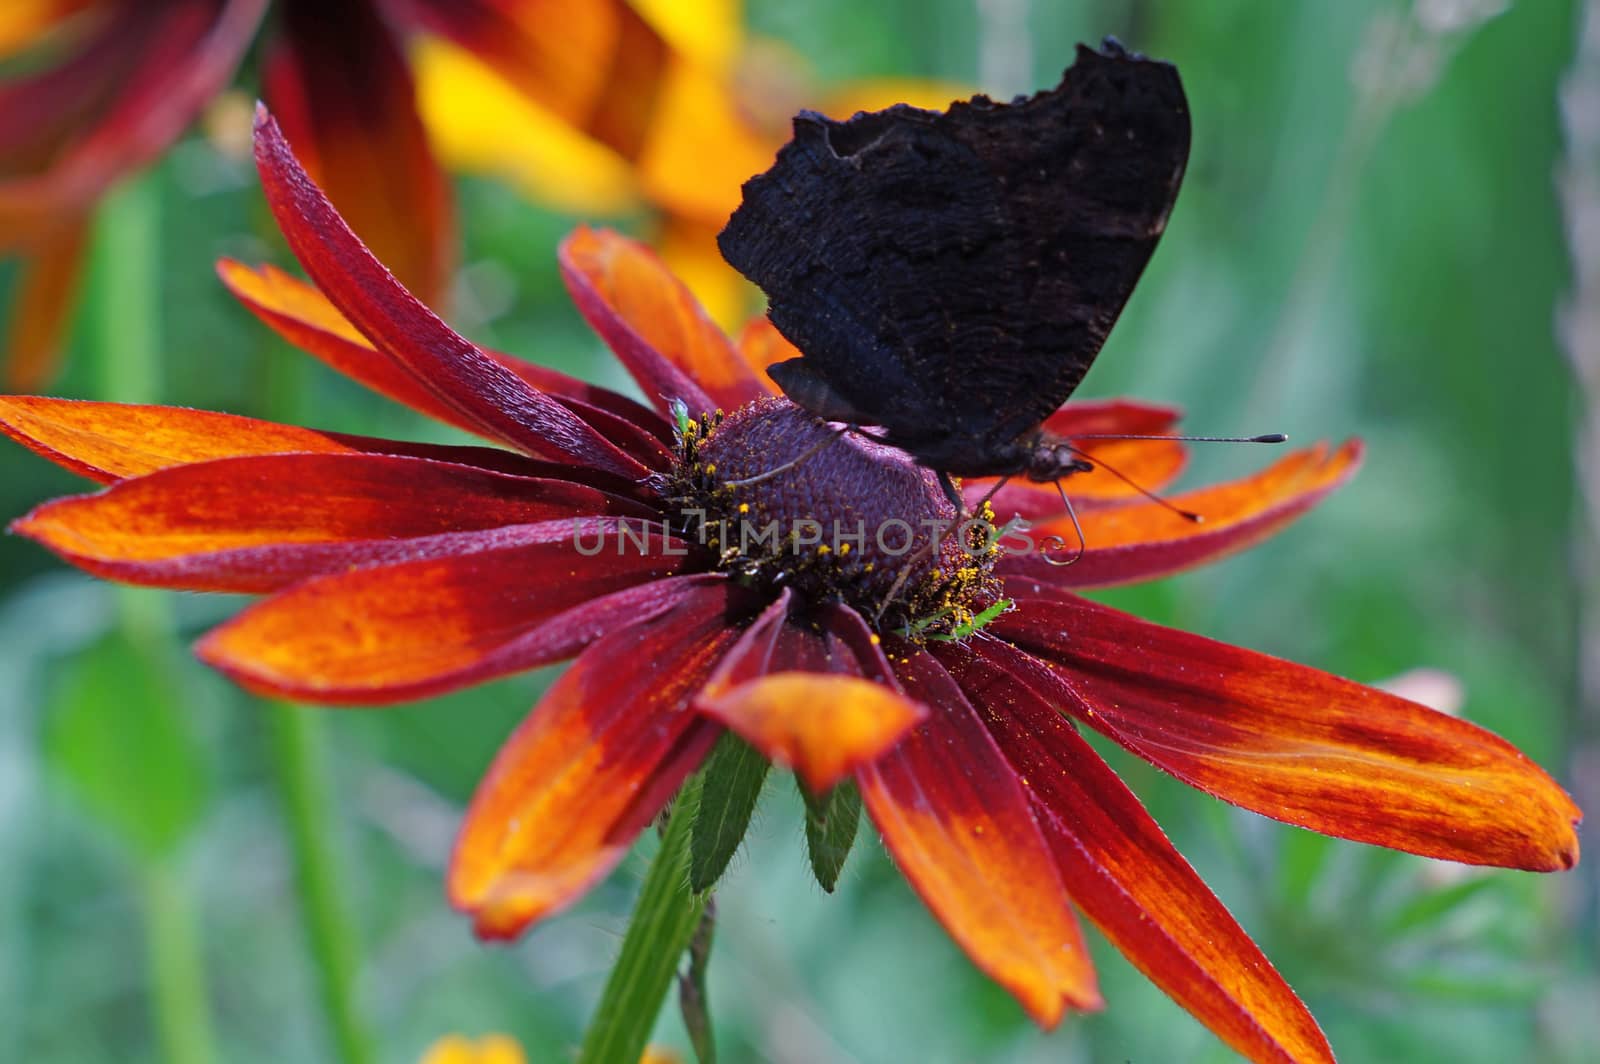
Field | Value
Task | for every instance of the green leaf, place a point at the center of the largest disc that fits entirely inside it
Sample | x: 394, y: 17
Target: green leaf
x: 831, y: 830
x: 664, y: 921
x: 119, y: 741
x: 732, y: 783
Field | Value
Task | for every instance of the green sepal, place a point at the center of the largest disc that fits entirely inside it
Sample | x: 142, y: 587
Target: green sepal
x: 732, y: 783
x: 831, y: 822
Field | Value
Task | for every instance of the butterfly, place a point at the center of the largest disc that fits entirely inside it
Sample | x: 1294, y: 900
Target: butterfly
x: 949, y: 277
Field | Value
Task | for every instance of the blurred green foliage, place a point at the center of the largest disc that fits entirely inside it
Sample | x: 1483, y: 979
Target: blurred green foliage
x: 1368, y: 243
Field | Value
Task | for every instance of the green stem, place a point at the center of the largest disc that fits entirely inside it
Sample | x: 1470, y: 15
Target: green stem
x: 126, y: 322
x: 664, y: 921
x: 694, y: 1000
x: 177, y: 973
x: 297, y: 746
x: 127, y: 319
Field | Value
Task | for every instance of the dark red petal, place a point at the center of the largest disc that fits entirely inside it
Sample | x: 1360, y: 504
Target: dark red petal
x: 595, y: 760
x: 591, y: 396
x: 1296, y: 744
x: 819, y: 717
x: 262, y: 523
x: 1085, y: 417
x: 653, y: 324
x: 956, y: 819
x: 338, y: 81
x: 1143, y: 541
x: 41, y: 306
x: 304, y: 316
x: 385, y: 633
x: 1123, y: 873
x: 501, y: 404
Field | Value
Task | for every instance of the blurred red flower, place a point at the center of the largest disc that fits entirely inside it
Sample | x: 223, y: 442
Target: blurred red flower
x: 396, y: 570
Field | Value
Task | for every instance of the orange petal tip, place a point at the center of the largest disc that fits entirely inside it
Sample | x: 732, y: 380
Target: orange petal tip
x: 824, y: 726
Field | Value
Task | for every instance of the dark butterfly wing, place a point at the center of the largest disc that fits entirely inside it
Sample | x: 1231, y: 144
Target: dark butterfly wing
x: 952, y: 276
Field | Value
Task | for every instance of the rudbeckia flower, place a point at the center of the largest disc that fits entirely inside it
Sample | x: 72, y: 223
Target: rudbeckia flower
x: 599, y: 529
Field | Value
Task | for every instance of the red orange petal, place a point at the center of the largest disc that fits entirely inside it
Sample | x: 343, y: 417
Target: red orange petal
x: 1142, y: 541
x: 594, y: 761
x: 823, y: 724
x: 653, y: 323
x: 108, y: 441
x: 1299, y: 745
x: 260, y: 523
x: 338, y: 80
x: 413, y: 629
x: 688, y: 248
x: 500, y: 403
x: 956, y: 819
x: 1126, y: 877
x: 111, y: 441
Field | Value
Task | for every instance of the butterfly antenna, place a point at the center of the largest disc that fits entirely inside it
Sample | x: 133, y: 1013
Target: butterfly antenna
x: 1187, y: 515
x: 1270, y: 437
x: 1076, y: 527
x: 800, y: 459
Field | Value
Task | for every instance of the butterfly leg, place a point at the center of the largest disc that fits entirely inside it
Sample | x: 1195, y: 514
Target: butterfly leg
x: 950, y: 492
x: 800, y: 459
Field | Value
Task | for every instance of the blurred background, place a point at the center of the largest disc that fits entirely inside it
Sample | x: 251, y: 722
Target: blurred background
x: 1390, y: 228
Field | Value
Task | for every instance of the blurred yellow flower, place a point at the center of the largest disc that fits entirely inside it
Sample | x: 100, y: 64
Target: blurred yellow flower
x: 660, y: 1055
x: 503, y: 1049
x: 490, y: 1049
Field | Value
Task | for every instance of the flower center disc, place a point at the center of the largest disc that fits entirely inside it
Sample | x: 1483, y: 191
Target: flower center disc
x: 832, y: 515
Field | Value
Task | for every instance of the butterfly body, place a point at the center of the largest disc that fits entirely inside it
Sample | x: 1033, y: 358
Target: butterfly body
x: 950, y: 276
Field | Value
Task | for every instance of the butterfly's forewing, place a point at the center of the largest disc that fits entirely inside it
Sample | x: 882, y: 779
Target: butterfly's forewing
x: 953, y: 275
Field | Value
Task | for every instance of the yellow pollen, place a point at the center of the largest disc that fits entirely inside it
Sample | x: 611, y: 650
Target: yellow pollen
x: 744, y: 507
x: 844, y: 548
